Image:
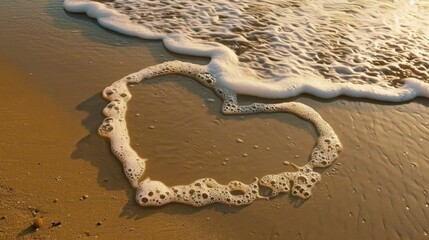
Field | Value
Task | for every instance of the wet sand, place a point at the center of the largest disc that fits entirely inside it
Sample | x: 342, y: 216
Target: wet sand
x: 53, y: 66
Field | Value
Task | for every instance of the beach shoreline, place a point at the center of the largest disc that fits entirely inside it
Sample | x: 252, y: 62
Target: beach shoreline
x: 51, y: 155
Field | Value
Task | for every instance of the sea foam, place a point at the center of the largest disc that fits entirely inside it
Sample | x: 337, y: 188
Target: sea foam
x: 273, y: 49
x: 205, y: 191
x: 333, y: 61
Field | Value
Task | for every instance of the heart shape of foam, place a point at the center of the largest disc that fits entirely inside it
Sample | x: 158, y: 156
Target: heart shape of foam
x: 206, y: 191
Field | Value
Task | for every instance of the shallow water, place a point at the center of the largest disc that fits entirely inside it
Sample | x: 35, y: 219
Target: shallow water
x: 376, y: 42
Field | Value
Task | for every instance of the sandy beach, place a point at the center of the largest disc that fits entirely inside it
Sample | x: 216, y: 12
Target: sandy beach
x: 54, y: 166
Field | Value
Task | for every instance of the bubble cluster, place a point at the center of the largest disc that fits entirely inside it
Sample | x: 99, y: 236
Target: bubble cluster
x: 199, y: 193
x: 326, y: 151
x: 301, y: 182
x: 114, y: 127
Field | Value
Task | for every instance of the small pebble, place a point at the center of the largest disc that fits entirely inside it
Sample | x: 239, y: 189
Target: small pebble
x: 151, y: 127
x: 99, y: 223
x: 223, y: 163
x: 255, y: 146
x: 2, y: 217
x: 55, y: 200
x: 286, y: 162
x: 296, y: 156
x: 210, y: 100
x: 245, y: 155
x: 84, y: 197
x: 239, y: 140
x: 34, y: 211
x: 55, y: 224
x: 226, y: 159
x: 38, y: 223
x: 137, y: 114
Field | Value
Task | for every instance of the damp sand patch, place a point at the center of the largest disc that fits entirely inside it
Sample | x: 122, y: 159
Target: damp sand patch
x: 177, y: 123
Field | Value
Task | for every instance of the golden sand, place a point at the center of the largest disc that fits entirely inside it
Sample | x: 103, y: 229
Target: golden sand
x: 53, y: 165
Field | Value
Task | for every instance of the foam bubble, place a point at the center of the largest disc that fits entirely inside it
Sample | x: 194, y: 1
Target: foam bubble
x: 301, y: 183
x: 199, y: 193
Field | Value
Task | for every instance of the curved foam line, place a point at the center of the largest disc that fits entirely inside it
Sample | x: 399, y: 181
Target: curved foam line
x: 411, y: 89
x: 224, y: 64
x: 206, y: 191
x: 111, y: 19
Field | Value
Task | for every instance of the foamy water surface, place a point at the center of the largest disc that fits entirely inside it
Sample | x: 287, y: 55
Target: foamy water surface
x: 272, y: 49
x: 284, y: 48
x: 373, y: 42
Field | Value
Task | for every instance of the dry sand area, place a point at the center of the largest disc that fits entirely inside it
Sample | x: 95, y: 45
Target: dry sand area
x: 53, y: 165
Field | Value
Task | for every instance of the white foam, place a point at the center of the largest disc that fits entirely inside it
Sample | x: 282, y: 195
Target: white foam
x: 110, y: 19
x: 206, y: 191
x: 352, y: 75
x: 199, y: 193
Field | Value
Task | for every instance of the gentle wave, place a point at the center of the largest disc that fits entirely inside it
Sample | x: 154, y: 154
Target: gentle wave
x: 341, y: 41
x: 375, y: 51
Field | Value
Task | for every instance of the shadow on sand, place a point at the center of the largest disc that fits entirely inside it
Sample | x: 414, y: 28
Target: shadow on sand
x: 96, y: 150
